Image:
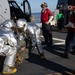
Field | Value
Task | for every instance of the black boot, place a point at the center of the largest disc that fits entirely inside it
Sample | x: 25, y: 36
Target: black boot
x: 49, y: 45
x: 72, y: 52
x: 65, y: 55
x: 42, y: 56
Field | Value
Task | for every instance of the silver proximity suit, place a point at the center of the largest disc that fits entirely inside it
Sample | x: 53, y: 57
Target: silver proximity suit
x: 35, y: 30
x: 8, y: 43
x: 21, y: 24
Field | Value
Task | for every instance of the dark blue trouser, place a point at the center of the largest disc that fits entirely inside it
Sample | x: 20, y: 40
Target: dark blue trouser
x: 46, y: 29
x: 69, y: 41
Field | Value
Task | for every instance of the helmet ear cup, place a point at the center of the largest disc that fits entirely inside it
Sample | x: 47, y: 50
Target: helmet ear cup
x: 41, y: 5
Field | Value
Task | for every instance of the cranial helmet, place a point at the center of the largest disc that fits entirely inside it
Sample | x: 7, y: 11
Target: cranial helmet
x: 21, y: 23
x: 70, y: 7
x: 44, y: 4
x: 8, y: 24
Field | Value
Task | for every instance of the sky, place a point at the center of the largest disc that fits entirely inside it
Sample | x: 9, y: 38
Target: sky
x: 35, y: 4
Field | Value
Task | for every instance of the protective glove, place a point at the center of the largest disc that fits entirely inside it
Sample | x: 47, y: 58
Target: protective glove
x: 49, y: 21
x: 70, y: 24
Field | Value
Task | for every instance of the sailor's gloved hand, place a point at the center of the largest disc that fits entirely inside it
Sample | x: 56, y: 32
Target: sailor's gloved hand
x: 70, y: 24
x: 49, y: 21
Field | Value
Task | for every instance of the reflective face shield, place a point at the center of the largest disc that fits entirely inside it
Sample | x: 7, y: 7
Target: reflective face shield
x: 21, y: 29
x: 21, y: 25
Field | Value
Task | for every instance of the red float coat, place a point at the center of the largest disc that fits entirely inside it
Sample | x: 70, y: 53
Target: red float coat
x: 72, y: 20
x: 45, y: 15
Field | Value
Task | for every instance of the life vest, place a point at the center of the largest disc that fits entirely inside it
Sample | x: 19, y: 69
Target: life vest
x: 45, y: 15
x: 72, y: 24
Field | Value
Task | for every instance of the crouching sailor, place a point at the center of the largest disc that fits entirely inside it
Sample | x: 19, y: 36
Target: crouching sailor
x: 8, y: 46
x: 23, y: 51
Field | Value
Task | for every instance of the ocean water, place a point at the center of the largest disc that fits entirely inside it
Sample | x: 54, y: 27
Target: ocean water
x: 37, y: 17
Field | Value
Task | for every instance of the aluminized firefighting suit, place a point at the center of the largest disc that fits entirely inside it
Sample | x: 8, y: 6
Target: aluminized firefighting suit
x: 35, y: 30
x: 8, y: 43
x: 21, y: 27
x: 32, y: 36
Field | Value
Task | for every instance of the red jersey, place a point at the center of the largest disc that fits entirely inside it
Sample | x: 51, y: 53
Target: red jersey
x: 45, y: 15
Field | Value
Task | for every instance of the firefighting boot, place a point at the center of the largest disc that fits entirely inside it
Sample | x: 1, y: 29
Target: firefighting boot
x: 8, y: 70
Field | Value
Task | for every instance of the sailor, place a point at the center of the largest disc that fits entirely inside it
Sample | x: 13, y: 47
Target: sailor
x: 8, y: 46
x: 21, y: 32
x: 34, y: 30
x: 70, y: 39
x: 46, y: 18
x: 60, y: 20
